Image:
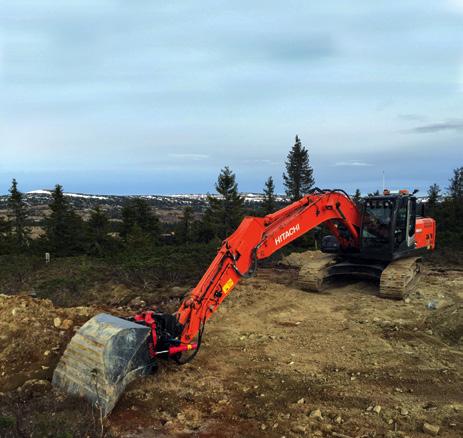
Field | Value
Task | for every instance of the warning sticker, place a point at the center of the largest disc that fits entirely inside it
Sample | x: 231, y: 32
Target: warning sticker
x: 227, y: 286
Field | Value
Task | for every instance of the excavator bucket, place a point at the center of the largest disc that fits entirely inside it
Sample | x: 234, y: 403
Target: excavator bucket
x: 104, y: 356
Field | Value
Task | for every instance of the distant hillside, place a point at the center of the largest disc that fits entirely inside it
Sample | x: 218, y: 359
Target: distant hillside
x: 83, y: 200
x: 168, y: 207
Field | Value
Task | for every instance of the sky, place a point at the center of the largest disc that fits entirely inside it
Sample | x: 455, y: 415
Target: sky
x: 140, y: 97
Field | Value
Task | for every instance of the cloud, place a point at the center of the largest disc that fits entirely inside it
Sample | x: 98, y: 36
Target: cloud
x: 456, y: 5
x: 352, y: 163
x: 292, y: 48
x: 449, y: 125
x: 188, y: 156
x: 412, y: 117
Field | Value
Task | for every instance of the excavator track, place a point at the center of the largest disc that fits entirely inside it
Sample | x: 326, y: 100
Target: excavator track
x: 400, y: 278
x: 312, y: 274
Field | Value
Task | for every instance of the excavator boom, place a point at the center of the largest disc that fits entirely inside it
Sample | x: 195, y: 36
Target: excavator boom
x: 258, y: 238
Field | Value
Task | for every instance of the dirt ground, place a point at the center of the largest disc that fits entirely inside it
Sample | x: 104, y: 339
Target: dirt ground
x: 275, y: 361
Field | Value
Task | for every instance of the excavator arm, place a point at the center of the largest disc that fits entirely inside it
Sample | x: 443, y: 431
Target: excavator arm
x: 258, y: 238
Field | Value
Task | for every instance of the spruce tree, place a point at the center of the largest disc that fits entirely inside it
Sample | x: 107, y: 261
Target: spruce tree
x: 433, y: 195
x: 456, y: 184
x: 18, y: 216
x: 357, y: 196
x: 138, y: 216
x: 185, y: 229
x: 65, y: 232
x: 298, y: 178
x: 98, y: 227
x: 269, y: 201
x: 224, y: 214
x: 6, y: 240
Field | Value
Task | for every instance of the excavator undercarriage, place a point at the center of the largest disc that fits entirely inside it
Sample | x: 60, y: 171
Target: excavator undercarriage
x: 396, y: 279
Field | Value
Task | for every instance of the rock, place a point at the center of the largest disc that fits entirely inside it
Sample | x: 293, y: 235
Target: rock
x: 407, y: 301
x: 67, y: 324
x: 57, y: 322
x: 35, y: 386
x: 377, y: 409
x: 46, y: 353
x: 137, y: 302
x: 431, y: 429
x: 301, y: 401
x: 181, y: 416
x: 263, y: 426
x: 403, y: 411
x: 298, y: 428
x: 316, y: 414
x: 338, y: 419
x: 14, y: 311
x: 340, y: 435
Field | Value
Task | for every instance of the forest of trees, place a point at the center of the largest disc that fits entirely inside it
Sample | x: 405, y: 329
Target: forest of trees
x: 67, y: 234
x: 138, y: 237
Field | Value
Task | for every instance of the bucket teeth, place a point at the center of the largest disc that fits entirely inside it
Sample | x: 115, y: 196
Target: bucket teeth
x: 104, y: 356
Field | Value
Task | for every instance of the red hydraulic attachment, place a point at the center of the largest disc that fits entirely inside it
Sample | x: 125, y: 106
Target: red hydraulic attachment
x: 148, y: 318
x: 257, y: 238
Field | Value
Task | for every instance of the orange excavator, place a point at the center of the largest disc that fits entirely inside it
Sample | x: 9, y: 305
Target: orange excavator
x: 380, y: 237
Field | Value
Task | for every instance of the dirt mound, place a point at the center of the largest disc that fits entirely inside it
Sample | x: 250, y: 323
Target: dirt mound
x: 33, y: 334
x: 297, y: 259
x: 447, y: 322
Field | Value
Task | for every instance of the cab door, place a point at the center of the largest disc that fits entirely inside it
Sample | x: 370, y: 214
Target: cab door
x: 405, y: 221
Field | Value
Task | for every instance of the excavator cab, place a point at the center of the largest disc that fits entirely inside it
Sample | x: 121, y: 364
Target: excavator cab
x: 388, y: 226
x: 391, y: 242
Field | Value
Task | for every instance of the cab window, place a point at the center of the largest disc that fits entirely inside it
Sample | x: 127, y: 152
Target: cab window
x: 412, y: 217
x: 401, y: 221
